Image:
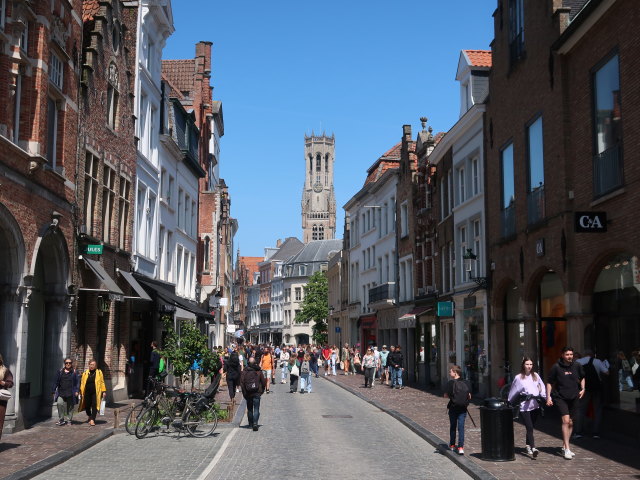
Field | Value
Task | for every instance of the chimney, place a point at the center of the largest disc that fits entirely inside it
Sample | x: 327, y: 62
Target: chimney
x: 278, y: 243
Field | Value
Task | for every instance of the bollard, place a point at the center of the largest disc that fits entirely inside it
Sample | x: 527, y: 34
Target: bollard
x: 116, y: 418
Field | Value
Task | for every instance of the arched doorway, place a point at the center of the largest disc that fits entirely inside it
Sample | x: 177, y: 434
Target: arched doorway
x: 48, y: 321
x: 11, y: 270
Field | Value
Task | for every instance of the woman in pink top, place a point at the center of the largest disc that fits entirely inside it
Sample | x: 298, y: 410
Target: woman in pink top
x: 527, y: 389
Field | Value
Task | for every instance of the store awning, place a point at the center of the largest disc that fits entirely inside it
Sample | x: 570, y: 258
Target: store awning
x: 416, y: 312
x: 167, y: 296
x: 107, y: 283
x: 142, y: 295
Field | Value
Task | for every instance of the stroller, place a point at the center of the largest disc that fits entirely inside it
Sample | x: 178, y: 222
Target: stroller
x: 208, y: 396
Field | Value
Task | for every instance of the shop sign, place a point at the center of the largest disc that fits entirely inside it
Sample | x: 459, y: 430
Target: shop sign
x: 93, y: 250
x: 469, y: 302
x: 337, y: 329
x: 540, y: 247
x: 445, y: 309
x: 590, y: 222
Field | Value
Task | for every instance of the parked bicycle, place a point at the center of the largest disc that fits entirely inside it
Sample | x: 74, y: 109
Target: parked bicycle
x: 506, y: 381
x: 135, y: 413
x: 192, y: 413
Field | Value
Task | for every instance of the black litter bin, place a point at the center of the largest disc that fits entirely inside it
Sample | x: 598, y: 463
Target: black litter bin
x: 496, y: 424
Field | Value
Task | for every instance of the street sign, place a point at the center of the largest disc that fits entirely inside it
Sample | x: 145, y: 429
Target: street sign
x: 337, y: 329
x: 445, y: 309
x: 93, y: 249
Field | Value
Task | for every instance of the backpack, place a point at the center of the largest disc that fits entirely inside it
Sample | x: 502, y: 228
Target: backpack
x: 591, y: 379
x: 460, y: 396
x: 304, y: 367
x: 251, y: 381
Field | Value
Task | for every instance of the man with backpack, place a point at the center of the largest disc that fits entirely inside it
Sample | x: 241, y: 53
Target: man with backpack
x: 458, y: 392
x: 593, y: 386
x: 252, y: 383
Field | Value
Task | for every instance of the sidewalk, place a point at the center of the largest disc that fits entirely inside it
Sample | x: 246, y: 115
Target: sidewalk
x: 44, y: 445
x: 425, y: 413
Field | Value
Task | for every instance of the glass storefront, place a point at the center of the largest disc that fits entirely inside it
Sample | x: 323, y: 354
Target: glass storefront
x: 615, y: 334
x: 475, y: 359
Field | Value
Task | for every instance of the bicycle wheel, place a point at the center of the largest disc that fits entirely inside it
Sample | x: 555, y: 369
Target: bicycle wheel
x: 146, y: 422
x: 201, y: 424
x: 133, y: 417
x: 504, y: 391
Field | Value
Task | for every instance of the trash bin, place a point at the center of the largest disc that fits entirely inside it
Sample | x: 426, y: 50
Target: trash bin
x: 496, y: 425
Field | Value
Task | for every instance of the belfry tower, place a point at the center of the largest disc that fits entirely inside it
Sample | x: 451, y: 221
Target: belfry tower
x: 318, y: 198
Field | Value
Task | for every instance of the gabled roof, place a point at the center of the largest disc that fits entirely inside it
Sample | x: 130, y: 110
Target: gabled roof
x: 288, y: 249
x: 478, y: 58
x: 317, y: 251
x: 389, y: 159
x: 173, y: 90
x: 575, y: 6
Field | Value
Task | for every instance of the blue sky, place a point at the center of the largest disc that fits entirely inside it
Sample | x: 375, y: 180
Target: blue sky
x: 359, y: 70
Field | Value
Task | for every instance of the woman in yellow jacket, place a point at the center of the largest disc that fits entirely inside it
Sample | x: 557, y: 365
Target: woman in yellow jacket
x: 93, y: 390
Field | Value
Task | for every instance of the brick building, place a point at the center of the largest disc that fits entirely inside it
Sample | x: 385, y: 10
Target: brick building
x: 39, y: 62
x: 244, y: 274
x: 565, y: 264
x: 106, y: 173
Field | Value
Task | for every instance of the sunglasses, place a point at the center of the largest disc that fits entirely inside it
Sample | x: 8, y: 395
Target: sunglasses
x: 67, y: 363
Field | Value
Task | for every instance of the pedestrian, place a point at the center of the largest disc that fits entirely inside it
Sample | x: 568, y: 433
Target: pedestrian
x: 333, y: 359
x: 253, y: 384
x: 294, y: 373
x: 396, y: 362
x: 233, y: 371
x: 458, y: 392
x: 384, y: 354
x: 527, y: 390
x: 66, y: 389
x: 345, y: 358
x: 376, y: 355
x: 284, y: 363
x: 267, y: 365
x: 92, y: 391
x: 6, y: 382
x: 565, y: 388
x: 313, y: 362
x: 326, y: 355
x: 369, y: 365
x: 625, y: 381
x: 594, y: 369
x: 305, y: 374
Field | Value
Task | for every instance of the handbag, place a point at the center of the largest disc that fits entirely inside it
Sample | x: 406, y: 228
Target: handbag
x: 341, y: 365
x: 5, y: 394
x: 295, y: 371
x: 103, y: 405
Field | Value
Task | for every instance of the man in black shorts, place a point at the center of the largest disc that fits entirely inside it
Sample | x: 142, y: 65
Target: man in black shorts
x: 566, y: 379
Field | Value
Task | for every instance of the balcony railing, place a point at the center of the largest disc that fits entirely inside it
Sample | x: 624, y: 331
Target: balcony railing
x: 535, y: 205
x: 509, y: 221
x: 607, y: 171
x: 382, y: 293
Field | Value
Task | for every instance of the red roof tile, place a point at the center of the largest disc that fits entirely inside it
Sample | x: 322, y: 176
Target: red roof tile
x: 389, y: 160
x: 89, y: 9
x: 180, y: 73
x: 479, y: 58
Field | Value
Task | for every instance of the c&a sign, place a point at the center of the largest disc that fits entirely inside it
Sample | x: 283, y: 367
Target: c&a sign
x: 590, y: 222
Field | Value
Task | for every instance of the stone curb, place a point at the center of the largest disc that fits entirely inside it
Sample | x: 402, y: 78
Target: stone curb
x: 56, y: 459
x: 465, y: 463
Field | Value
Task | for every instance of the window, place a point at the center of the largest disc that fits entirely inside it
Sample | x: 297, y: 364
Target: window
x: 180, y: 269
x: 404, y: 219
x: 124, y: 203
x: 3, y: 12
x: 321, y: 232
x: 151, y: 52
x: 108, y: 202
x: 194, y: 213
x: 115, y: 38
x: 462, y: 237
x: 207, y: 251
x: 169, y: 191
x: 186, y: 215
x: 162, y: 261
x: 112, y: 97
x: 450, y: 192
x: 56, y: 70
x: 150, y: 231
x: 516, y: 30
x: 607, y: 162
x: 142, y: 126
x: 475, y: 176
x: 298, y: 294
x: 180, y: 207
x: 326, y: 169
x: 461, y: 186
x: 52, y: 132
x: 477, y: 248
x: 140, y: 223
x: 443, y: 200
x: 535, y: 157
x: 169, y: 254
x: 23, y: 42
x: 16, y: 108
x: 508, y: 191
x: 90, y: 191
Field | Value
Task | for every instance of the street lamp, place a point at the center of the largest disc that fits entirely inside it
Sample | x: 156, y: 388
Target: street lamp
x: 481, y: 282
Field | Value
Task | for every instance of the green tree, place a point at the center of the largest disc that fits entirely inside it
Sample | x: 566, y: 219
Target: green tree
x: 315, y: 306
x: 190, y: 345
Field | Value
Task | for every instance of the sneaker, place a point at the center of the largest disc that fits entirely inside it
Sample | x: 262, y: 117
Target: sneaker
x: 576, y: 436
x: 568, y: 454
x: 460, y: 451
x: 452, y: 448
x: 535, y: 452
x: 529, y: 450
x: 255, y: 427
x: 60, y: 423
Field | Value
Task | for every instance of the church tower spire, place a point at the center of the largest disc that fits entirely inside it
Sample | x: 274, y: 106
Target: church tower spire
x: 318, y: 197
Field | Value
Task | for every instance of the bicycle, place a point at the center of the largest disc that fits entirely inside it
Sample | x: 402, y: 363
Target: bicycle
x: 193, y: 413
x: 133, y: 417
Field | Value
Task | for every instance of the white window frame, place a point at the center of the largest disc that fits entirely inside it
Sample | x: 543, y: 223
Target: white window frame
x: 56, y: 70
x: 475, y: 176
x: 404, y: 219
x: 462, y: 194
